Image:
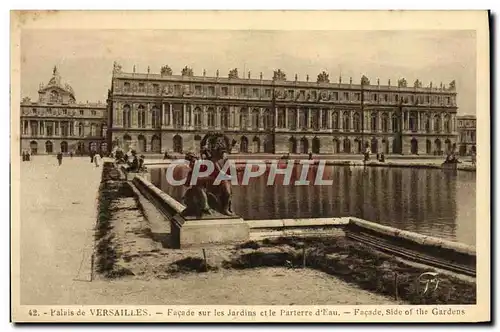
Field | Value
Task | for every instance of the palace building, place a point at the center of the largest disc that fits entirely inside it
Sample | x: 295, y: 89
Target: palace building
x: 466, y: 134
x: 57, y: 123
x: 166, y: 112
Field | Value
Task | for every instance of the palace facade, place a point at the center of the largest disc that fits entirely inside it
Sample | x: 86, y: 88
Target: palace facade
x: 466, y: 134
x: 57, y: 123
x: 165, y: 112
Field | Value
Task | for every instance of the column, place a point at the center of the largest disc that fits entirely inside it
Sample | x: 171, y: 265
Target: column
x: 321, y: 119
x: 204, y: 116
x: 275, y: 117
x: 309, y: 118
x: 134, y: 115
x: 169, y: 115
x: 261, y: 118
x: 379, y: 121
x: 184, y: 115
x: 148, y: 115
x: 217, y: 117
x: 442, y: 122
x: 351, y: 120
x: 329, y: 118
x: 162, y: 116
x: 286, y: 117
x: 249, y: 119
x: 297, y: 117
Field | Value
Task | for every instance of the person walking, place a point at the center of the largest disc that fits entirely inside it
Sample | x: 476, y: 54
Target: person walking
x: 97, y: 160
x: 71, y: 154
x: 59, y: 158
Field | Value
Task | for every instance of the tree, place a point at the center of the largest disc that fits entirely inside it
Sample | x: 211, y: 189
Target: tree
x: 233, y: 73
x: 323, y: 77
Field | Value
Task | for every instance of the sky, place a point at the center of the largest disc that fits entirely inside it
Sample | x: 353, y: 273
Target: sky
x: 85, y: 58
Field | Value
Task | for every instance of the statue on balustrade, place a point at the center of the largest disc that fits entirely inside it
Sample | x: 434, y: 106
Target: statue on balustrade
x: 323, y: 77
x: 205, y: 197
x: 166, y: 71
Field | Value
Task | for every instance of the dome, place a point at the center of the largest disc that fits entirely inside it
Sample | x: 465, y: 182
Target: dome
x: 56, y: 82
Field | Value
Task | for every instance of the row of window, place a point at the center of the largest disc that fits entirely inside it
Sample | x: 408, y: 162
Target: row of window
x: 466, y: 123
x: 34, y: 128
x: 58, y: 111
x: 293, y: 120
x: 243, y: 91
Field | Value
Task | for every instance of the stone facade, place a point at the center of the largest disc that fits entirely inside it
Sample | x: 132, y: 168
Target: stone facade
x: 466, y: 134
x: 165, y: 112
x: 57, y: 123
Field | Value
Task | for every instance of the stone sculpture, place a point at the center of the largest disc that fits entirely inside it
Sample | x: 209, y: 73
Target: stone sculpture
x: 204, y: 197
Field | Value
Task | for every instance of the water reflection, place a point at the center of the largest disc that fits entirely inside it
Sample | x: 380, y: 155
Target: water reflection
x: 427, y: 201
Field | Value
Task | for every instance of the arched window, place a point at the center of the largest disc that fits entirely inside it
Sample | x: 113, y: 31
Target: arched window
x: 198, y: 121
x: 374, y: 124
x: 346, y: 120
x: 395, y: 123
x: 80, y: 129
x: 413, y: 121
x: 155, y: 118
x: 268, y: 119
x: 281, y: 118
x: 48, y: 147
x: 178, y: 118
x: 324, y: 119
x: 335, y: 120
x: 385, y: 122
x: 292, y: 119
x: 224, y: 118
x: 255, y: 119
x: 356, y: 122
x: 437, y: 123
x: 126, y: 116
x: 447, y: 123
x: 244, y: 119
x: 211, y: 117
x: 64, y: 147
x: 141, y: 116
x: 302, y: 118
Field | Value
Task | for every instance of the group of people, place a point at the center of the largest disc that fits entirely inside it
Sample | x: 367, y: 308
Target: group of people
x: 26, y: 155
x: 134, y: 163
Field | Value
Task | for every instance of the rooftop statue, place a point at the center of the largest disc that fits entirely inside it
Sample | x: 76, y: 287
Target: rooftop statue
x: 116, y: 68
x: 233, y: 73
x: 279, y: 75
x: 452, y: 85
x: 417, y: 84
x: 166, y: 71
x: 186, y: 71
x: 402, y: 83
x: 365, y: 80
x: 323, y: 77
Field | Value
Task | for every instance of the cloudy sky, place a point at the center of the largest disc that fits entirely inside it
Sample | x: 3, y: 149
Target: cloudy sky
x: 85, y: 58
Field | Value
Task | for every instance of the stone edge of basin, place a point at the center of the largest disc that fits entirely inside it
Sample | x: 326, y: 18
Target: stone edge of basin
x: 255, y: 225
x: 309, y: 222
x: 414, y: 237
x: 461, y: 167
